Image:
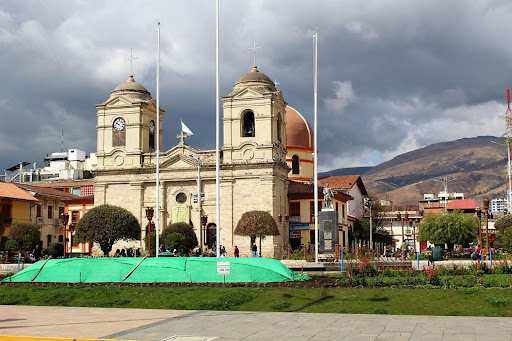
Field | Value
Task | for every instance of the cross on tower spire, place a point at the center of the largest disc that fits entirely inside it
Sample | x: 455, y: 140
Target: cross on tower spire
x: 253, y: 48
x: 131, y: 58
x: 182, y: 136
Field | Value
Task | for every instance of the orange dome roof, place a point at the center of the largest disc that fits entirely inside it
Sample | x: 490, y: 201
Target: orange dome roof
x: 298, y: 130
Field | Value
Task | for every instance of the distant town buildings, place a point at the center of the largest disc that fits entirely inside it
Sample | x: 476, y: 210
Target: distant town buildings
x: 499, y: 205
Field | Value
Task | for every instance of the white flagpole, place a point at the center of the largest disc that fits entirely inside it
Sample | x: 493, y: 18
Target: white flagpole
x: 217, y: 132
x: 315, y: 148
x: 157, y: 208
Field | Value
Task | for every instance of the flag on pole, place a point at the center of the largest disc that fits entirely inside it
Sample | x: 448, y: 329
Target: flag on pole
x: 185, y: 129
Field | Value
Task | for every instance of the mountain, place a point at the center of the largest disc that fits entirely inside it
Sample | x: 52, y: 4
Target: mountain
x: 346, y: 171
x: 475, y: 166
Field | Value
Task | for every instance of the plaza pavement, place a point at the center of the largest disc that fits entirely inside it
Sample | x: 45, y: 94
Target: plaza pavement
x: 72, y: 323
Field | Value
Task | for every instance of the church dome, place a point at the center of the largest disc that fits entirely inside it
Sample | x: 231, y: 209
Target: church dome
x: 132, y: 89
x: 298, y: 130
x: 255, y: 79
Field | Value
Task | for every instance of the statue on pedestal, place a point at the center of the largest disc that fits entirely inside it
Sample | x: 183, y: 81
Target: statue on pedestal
x: 328, y: 195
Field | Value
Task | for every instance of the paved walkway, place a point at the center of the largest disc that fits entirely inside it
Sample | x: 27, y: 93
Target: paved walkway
x: 140, y: 324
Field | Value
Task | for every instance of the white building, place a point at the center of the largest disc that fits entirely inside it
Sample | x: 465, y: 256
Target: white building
x: 498, y: 205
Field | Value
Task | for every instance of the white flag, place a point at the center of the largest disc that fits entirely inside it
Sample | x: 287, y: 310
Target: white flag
x: 185, y: 129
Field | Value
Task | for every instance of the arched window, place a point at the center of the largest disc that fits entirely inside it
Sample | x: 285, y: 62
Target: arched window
x: 248, y: 125
x: 279, y: 127
x: 151, y: 135
x: 295, y: 164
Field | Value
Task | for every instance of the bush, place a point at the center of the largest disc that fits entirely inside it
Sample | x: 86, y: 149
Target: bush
x: 54, y: 250
x: 12, y: 245
x: 180, y: 235
x: 26, y: 234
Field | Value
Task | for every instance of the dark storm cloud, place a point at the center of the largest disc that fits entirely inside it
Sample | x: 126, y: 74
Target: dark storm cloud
x: 393, y: 75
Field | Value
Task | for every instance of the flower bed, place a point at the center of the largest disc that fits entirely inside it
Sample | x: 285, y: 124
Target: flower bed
x: 366, y: 273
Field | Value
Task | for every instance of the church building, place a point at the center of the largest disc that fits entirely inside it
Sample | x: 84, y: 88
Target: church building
x: 253, y: 169
x: 266, y: 144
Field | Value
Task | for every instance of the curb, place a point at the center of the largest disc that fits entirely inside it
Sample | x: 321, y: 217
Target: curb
x: 46, y: 338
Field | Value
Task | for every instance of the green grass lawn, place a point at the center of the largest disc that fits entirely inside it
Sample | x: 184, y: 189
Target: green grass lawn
x: 490, y: 301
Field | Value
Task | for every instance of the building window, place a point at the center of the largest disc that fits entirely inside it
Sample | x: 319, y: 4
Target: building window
x: 86, y: 190
x: 6, y: 213
x: 48, y: 239
x: 118, y: 133
x: 295, y: 164
x: 61, y: 212
x: 181, y: 198
x: 74, y: 217
x: 50, y: 212
x: 295, y: 209
x: 248, y: 125
x: 75, y: 190
x: 38, y: 211
x: 151, y: 135
x: 279, y: 121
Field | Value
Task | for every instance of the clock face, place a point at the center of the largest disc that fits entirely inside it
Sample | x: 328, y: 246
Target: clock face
x: 119, y: 124
x: 151, y: 127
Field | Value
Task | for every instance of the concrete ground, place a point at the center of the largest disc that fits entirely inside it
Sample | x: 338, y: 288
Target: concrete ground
x: 141, y: 324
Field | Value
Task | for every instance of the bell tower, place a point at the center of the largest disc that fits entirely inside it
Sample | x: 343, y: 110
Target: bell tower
x: 254, y: 120
x: 126, y: 126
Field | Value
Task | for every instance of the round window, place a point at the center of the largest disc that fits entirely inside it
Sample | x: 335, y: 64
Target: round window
x: 181, y: 198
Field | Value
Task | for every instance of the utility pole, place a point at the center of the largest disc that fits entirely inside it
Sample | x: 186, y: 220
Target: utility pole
x: 444, y: 181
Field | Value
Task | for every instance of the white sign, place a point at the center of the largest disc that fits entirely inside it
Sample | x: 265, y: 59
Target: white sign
x: 224, y: 268
x: 195, y: 198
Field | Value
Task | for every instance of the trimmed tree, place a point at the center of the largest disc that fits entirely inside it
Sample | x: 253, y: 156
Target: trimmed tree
x: 179, y: 236
x: 452, y: 228
x: 504, y: 232
x: 504, y: 222
x: 257, y: 224
x: 506, y: 239
x: 106, y: 225
x: 27, y: 235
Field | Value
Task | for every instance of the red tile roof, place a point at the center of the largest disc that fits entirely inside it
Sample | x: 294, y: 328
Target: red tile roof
x: 465, y: 204
x: 47, y: 191
x: 300, y: 188
x: 343, y: 182
x: 11, y: 191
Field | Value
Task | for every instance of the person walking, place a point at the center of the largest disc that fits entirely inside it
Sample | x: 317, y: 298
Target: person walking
x: 236, y: 252
x: 254, y: 250
x: 37, y: 253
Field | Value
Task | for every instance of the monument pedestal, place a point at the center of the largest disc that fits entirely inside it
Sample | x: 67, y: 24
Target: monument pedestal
x: 328, y: 230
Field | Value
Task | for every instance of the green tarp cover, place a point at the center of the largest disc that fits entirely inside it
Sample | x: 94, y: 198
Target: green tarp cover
x: 157, y: 270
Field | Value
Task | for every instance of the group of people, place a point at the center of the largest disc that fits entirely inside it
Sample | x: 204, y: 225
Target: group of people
x: 127, y: 253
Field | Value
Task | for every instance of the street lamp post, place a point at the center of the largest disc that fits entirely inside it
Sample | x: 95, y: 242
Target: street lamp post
x: 204, y: 221
x: 486, y: 208
x: 198, y: 159
x: 414, y: 232
x: 479, y: 215
x: 71, y: 232
x: 284, y: 221
x: 64, y: 218
x: 399, y: 217
x: 149, y: 215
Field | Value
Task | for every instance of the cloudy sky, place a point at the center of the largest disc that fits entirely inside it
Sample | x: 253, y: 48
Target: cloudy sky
x: 394, y: 75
